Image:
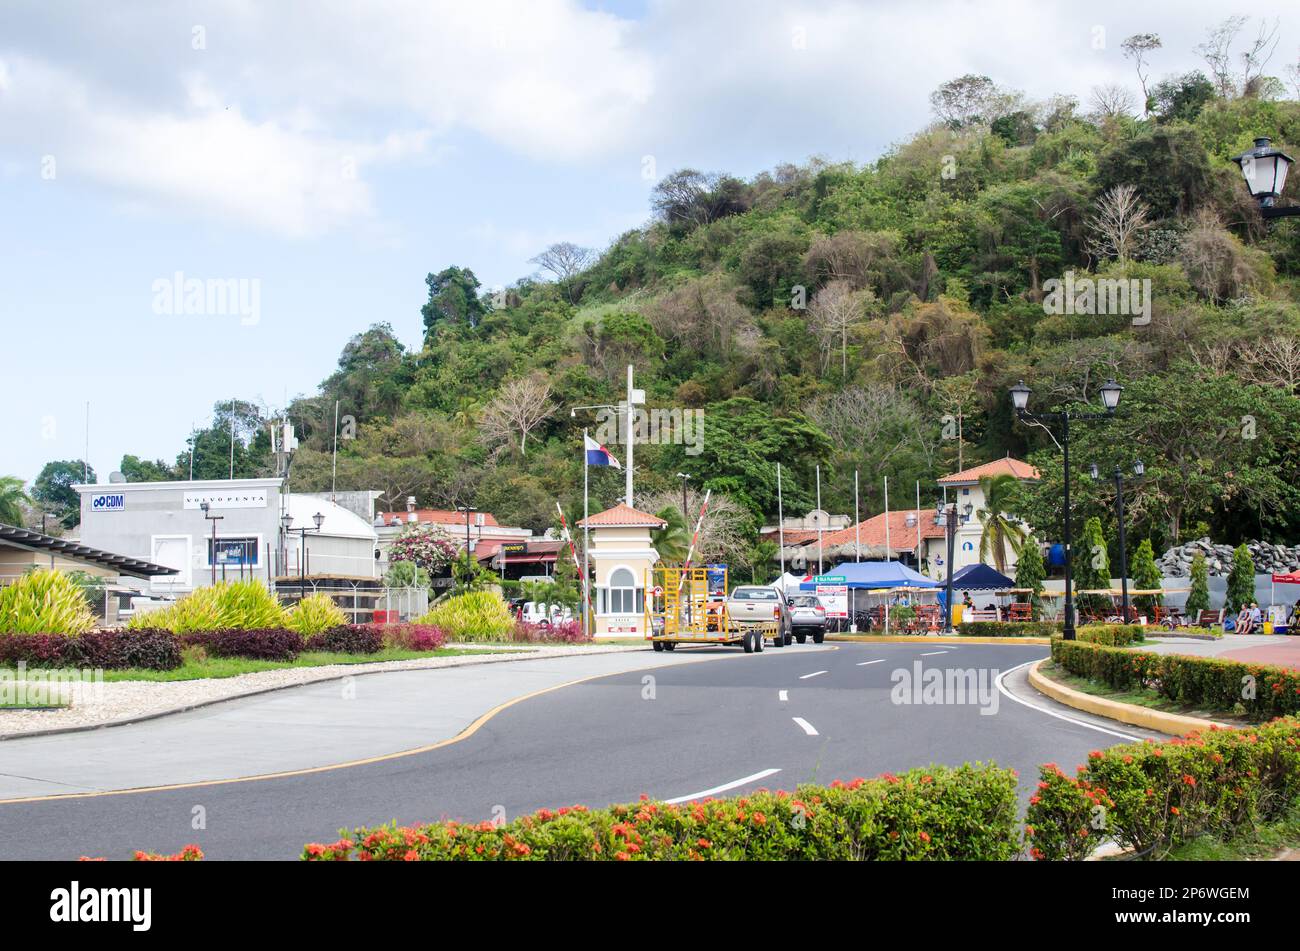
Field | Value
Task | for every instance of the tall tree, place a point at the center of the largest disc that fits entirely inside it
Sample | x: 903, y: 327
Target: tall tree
x: 1138, y: 48
x: 674, y: 539
x: 1241, y: 580
x: 53, y: 489
x: 453, y: 299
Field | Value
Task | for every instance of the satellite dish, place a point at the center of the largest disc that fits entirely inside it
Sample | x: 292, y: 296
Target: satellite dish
x: 116, y: 477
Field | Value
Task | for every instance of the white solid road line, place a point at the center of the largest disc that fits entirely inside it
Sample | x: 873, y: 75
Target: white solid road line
x: 867, y: 662
x: 783, y: 696
x: 1052, y: 713
x: 933, y: 653
x: 815, y: 673
x: 805, y: 726
x: 723, y: 788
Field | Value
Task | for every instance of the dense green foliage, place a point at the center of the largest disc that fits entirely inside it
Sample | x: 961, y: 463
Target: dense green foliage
x: 866, y: 317
x: 44, y: 601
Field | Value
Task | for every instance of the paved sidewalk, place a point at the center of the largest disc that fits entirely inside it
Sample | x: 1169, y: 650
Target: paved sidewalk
x: 1280, y: 649
x: 301, y: 728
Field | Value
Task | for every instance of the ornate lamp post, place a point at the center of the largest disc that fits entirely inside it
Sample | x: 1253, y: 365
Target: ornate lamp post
x: 1118, y: 475
x: 1264, y: 168
x: 287, y: 521
x: 1020, y: 400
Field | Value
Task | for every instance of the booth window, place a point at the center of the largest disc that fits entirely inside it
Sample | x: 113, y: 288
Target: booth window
x: 623, y: 596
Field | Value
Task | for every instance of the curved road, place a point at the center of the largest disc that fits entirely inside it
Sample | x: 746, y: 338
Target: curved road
x: 738, y: 722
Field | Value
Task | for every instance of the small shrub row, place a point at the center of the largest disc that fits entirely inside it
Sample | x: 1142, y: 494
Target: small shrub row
x: 271, y: 643
x: 412, y: 637
x: 1009, y: 629
x: 348, y: 639
x: 1208, y: 683
x: 107, y: 650
x: 188, y: 853
x: 316, y: 614
x: 1110, y: 635
x: 1150, y: 797
x: 939, y: 812
x: 570, y: 632
x: 226, y: 605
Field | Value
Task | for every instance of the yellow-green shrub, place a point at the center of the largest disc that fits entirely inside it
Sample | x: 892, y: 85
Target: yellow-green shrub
x: 44, y: 601
x: 242, y: 605
x: 316, y: 613
x: 476, y: 616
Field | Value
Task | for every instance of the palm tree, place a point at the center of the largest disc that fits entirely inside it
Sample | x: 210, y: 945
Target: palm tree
x: 11, y: 498
x: 673, y: 541
x: 1000, y: 527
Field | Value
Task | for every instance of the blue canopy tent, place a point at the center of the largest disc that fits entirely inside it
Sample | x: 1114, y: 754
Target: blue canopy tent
x: 875, y: 574
x: 980, y: 577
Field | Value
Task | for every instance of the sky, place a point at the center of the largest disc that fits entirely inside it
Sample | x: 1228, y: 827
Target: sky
x: 307, y: 165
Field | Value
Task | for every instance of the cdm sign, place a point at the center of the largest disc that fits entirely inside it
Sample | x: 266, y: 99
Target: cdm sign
x: 108, y: 503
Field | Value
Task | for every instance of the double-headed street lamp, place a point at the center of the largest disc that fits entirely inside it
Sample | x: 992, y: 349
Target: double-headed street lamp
x: 286, y: 520
x: 1118, y: 475
x: 1264, y: 169
x: 207, y: 514
x: 469, y: 565
x: 1020, y: 400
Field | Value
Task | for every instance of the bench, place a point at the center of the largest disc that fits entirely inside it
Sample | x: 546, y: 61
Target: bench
x: 1209, y: 618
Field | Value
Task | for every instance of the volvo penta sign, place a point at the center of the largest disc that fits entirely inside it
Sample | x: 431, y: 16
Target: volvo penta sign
x: 108, y: 502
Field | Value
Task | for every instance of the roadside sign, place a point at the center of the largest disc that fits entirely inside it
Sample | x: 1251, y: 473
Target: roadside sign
x: 657, y: 591
x: 835, y: 598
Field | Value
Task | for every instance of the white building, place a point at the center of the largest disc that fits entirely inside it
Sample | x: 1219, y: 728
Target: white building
x: 229, y: 528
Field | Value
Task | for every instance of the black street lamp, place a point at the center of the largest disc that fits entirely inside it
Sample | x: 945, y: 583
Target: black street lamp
x: 287, y: 521
x: 469, y: 567
x: 1020, y: 400
x: 213, y: 519
x: 947, y: 517
x: 1264, y: 169
x: 1118, y: 475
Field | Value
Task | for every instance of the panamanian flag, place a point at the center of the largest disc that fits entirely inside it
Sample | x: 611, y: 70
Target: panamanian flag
x: 598, y: 455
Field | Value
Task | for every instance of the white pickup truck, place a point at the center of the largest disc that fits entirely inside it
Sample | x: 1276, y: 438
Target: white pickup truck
x: 756, y: 609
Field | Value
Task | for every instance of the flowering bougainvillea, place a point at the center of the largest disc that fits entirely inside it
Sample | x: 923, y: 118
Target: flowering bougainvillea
x: 425, y: 546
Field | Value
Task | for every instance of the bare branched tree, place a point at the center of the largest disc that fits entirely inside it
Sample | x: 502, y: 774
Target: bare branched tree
x: 519, y: 407
x: 1253, y: 61
x: 1137, y: 48
x: 1272, y: 361
x: 1217, y: 53
x: 835, y: 311
x: 564, y: 260
x: 1121, y: 216
x: 1112, y: 101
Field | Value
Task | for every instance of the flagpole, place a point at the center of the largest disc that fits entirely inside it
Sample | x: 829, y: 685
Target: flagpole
x: 780, y: 525
x: 586, y: 540
x: 888, y: 553
x: 819, y: 520
x: 918, y: 525
x: 568, y: 537
x: 857, y: 521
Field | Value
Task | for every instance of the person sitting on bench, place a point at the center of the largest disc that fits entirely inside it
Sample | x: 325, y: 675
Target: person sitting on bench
x: 1245, y: 624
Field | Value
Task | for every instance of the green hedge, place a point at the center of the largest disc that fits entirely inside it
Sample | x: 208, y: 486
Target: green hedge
x: 1111, y: 635
x: 1009, y: 629
x: 1150, y: 797
x: 1209, y: 683
x: 938, y: 812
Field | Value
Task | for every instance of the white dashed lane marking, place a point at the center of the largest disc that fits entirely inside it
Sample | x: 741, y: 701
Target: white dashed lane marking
x: 805, y: 726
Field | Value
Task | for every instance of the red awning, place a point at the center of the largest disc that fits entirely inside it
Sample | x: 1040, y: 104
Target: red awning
x: 1287, y: 578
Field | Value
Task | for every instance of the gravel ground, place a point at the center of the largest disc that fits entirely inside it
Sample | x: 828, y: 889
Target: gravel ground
x: 107, y: 704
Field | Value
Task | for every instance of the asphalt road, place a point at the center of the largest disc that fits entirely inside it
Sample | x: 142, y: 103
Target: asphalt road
x: 743, y: 721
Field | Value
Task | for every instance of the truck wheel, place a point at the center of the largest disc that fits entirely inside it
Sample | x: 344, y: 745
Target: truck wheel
x: 658, y: 646
x: 801, y: 638
x: 748, y: 641
x: 779, y: 639
x: 819, y: 636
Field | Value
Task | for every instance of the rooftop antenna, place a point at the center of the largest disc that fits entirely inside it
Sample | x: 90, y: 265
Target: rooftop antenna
x: 335, y: 475
x: 85, y: 462
x: 232, y: 439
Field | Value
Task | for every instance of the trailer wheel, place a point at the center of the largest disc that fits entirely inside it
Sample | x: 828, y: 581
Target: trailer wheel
x: 748, y: 642
x: 670, y: 645
x: 658, y: 646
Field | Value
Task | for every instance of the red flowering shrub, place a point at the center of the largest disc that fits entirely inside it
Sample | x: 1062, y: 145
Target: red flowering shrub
x: 190, y: 853
x: 1209, y: 683
x: 933, y: 813
x: 569, y: 632
x: 413, y: 637
x: 271, y: 643
x: 1150, y: 796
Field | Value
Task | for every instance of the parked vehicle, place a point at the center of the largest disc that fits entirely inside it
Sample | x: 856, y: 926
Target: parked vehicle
x: 807, y: 618
x: 756, y: 608
x: 537, y: 612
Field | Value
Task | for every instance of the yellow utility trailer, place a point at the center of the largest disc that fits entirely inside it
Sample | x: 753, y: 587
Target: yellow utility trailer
x: 680, y: 610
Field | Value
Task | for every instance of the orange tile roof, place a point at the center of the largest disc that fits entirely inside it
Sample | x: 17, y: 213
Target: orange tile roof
x: 793, y: 536
x: 1004, y: 466
x: 441, y: 517
x: 622, y: 515
x: 902, y: 537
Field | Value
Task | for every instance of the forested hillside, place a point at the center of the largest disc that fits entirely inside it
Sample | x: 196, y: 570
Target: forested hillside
x: 860, y: 317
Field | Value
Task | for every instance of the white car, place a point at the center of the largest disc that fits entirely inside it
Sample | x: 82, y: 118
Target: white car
x: 537, y: 612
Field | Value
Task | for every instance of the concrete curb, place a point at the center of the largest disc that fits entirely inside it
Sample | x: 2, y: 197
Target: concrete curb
x: 492, y: 658
x: 934, y: 639
x: 1175, y: 724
